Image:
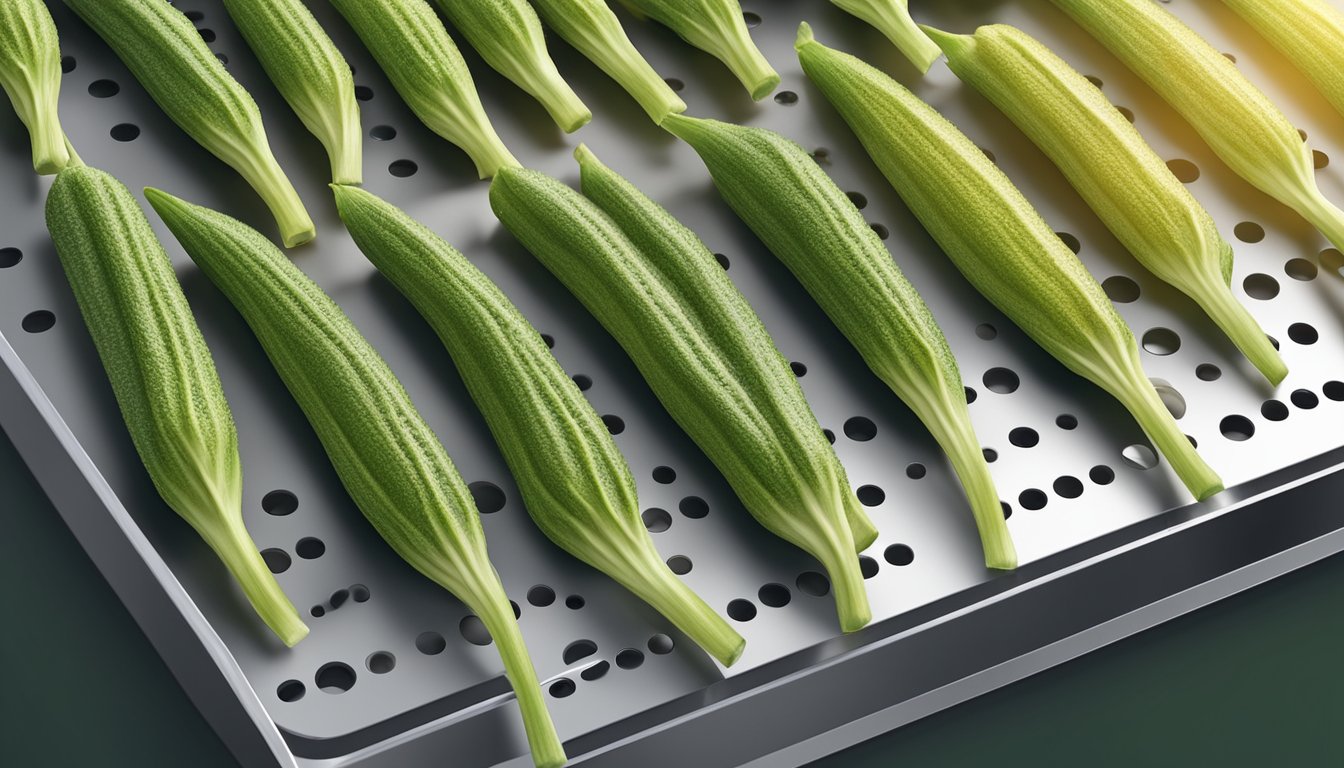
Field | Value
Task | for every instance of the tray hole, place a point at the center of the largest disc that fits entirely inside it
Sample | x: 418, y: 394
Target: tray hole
x: 657, y: 520
x: 859, y: 200
x: 597, y: 671
x: 1261, y: 286
x: 1304, y: 399
x: 67, y: 64
x: 661, y: 645
x: 223, y: 58
x: 584, y: 383
x: 822, y: 155
x: 1334, y: 390
x: 752, y: 19
x: 1300, y: 269
x: 1332, y: 260
x: 615, y: 424
x: 1184, y: 170
x: 787, y: 98
x: 1274, y: 410
x: 899, y: 555
x: 916, y: 471
x: 339, y: 597
x: 1139, y: 456
x: 774, y: 595
x: 867, y: 566
x: 1068, y: 487
x: 574, y: 602
x: 290, y: 691
x: 1170, y: 397
x: 10, y: 257
x: 310, y: 548
x: 679, y: 564
x: 579, y: 649
x: 694, y: 507
x: 125, y: 132
x: 1237, y: 428
x: 1093, y: 79
x: 870, y: 495
x: 990, y: 455
x: 1071, y: 242
x: 1302, y: 333
x: 1249, y: 232
x: 986, y: 331
x: 488, y: 496
x: 1121, y: 289
x: 317, y: 611
x: 335, y: 677
x: 829, y: 435
x: 1001, y: 381
x: 548, y: 340
x: 813, y: 583
x: 563, y: 688
x: 799, y: 370
x: 208, y: 35
x: 1024, y: 437
x: 1319, y: 159
x: 1126, y: 113
x: 676, y: 84
x: 631, y: 658
x: 430, y: 643
x: 880, y: 230
x: 989, y: 154
x: 1032, y: 498
x: 359, y: 593
x: 473, y: 630
x: 971, y: 395
x: 380, y: 662
x: 1007, y: 509
x: 1066, y: 421
x: 1161, y: 341
x: 1208, y: 372
x: 277, y: 560
x: 38, y: 322
x: 363, y: 93
x: 1101, y: 474
x: 403, y: 168
x: 382, y: 133
x: 279, y: 503
x: 104, y: 89
x: 723, y: 260
x: 541, y: 595
x: 741, y: 610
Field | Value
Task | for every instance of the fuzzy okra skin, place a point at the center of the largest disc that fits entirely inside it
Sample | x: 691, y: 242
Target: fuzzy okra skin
x: 892, y: 18
x: 1242, y: 126
x: 1309, y: 32
x: 30, y: 72
x: 811, y: 225
x: 508, y: 35
x: 414, y: 50
x: 595, y: 31
x: 573, y: 479
x: 161, y: 373
x: 999, y: 242
x: 389, y: 460
x: 717, y: 28
x: 168, y: 57
x: 309, y: 71
x: 1114, y: 170
x: 676, y: 352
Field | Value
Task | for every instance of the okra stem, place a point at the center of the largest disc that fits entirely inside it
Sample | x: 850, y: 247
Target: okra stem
x: 671, y: 597
x: 1323, y: 214
x: 835, y: 549
x: 238, y: 552
x: 749, y: 65
x: 263, y: 173
x: 1241, y: 327
x: 1136, y: 393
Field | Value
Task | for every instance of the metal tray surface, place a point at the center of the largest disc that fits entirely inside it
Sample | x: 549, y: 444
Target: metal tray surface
x: 394, y: 672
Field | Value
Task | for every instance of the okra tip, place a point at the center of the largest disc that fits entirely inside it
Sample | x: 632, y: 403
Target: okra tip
x: 950, y: 43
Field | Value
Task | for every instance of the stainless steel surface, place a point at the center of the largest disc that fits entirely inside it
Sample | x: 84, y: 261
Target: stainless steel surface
x: 1116, y: 558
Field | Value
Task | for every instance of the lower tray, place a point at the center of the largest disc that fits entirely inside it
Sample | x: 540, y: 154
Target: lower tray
x: 393, y: 672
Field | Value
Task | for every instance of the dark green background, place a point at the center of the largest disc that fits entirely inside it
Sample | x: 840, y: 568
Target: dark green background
x: 1255, y: 680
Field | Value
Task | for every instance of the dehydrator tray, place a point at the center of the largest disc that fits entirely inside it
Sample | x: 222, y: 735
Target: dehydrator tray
x: 394, y: 674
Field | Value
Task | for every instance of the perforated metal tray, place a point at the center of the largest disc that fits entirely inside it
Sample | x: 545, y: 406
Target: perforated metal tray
x: 393, y: 675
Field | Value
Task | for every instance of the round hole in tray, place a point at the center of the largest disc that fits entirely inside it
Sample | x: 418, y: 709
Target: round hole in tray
x: 223, y: 58
x: 1161, y: 341
x: 403, y: 168
x: 39, y: 321
x: 1300, y: 269
x: 67, y: 64
x: 562, y: 688
x: 574, y: 602
x: 1230, y: 57
x: 986, y: 331
x: 380, y: 662
x: 541, y: 595
x: 1001, y: 381
x: 277, y: 560
x: 1304, y: 399
x: 597, y: 671
x: 741, y: 610
x: 1260, y: 286
x: 310, y: 548
x: 1070, y: 241
x: 723, y: 260
x: 430, y: 643
x: 1302, y: 333
x: 363, y: 93
x: 104, y: 89
x: 679, y: 564
x: 10, y: 257
x: 317, y: 611
x: 279, y: 503
x: 339, y: 597
x: 517, y: 610
x: 473, y: 630
x: 971, y: 395
x: 335, y: 677
x: 382, y: 133
x: 859, y: 200
x: 1170, y: 397
x: 548, y: 340
x: 1274, y: 410
x: 1273, y: 341
x: 1066, y: 421
x: 829, y: 435
x: 1332, y: 260
x: 657, y: 519
x: 290, y: 690
x: 916, y: 471
x: 752, y: 19
x: 489, y: 497
x: 1139, y: 456
x: 583, y: 382
x: 899, y: 554
x: 664, y: 475
x: 871, y: 495
x: 1184, y: 170
x: 1007, y: 509
x: 867, y: 566
x: 1068, y: 487
x: 579, y: 649
x: 799, y: 369
x: 208, y: 35
x: 1208, y: 372
x: 822, y: 155
x: 661, y: 645
x: 1101, y: 474
x: 359, y: 593
x: 1334, y: 390
x: 1121, y: 289
x: 880, y: 230
x: 630, y: 658
x: 813, y: 583
x: 615, y: 424
x: 989, y: 154
x: 675, y: 84
x: 1249, y: 232
x: 774, y: 595
x: 1093, y: 79
x: 1126, y: 112
x: 1024, y: 437
x: 1237, y: 428
x: 1032, y: 498
x: 990, y: 455
x: 694, y: 507
x: 195, y: 16
x: 787, y: 98
x: 1319, y: 159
